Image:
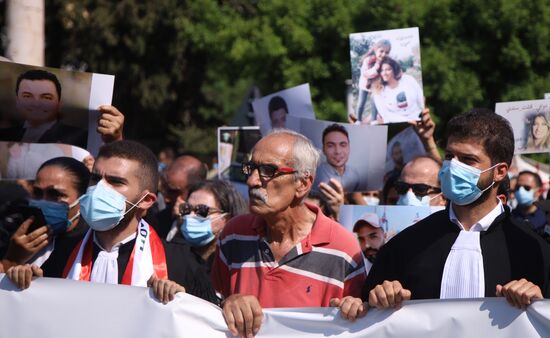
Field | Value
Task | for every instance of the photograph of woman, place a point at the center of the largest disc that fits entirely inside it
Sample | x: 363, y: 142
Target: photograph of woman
x: 386, y: 77
x: 399, y: 97
x: 370, y: 66
x: 538, y: 133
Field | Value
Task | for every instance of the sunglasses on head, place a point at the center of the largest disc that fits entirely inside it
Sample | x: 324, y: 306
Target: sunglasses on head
x: 199, y: 209
x: 419, y: 189
x: 265, y: 170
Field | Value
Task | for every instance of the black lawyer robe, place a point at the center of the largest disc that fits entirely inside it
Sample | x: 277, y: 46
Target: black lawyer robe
x: 181, y: 264
x: 417, y: 255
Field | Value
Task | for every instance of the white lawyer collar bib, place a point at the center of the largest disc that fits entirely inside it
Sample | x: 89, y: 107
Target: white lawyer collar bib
x: 463, y: 273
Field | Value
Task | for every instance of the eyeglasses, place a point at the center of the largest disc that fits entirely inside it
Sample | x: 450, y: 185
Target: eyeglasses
x: 265, y: 170
x: 199, y: 209
x: 419, y: 189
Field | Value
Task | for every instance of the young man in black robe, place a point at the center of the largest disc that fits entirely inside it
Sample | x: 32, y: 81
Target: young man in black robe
x: 473, y: 248
x: 120, y: 247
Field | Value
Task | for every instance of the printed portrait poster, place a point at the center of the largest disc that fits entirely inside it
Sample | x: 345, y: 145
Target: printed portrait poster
x: 235, y: 146
x: 530, y: 121
x: 22, y: 160
x: 271, y: 111
x: 387, y: 76
x: 402, y: 148
x: 356, y: 161
x: 391, y: 218
x: 49, y: 105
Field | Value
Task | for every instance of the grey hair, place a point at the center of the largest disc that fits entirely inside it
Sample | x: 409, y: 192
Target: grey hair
x: 305, y: 157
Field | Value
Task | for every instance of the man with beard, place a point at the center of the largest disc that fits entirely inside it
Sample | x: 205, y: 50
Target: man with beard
x: 286, y: 253
x: 371, y: 237
x: 120, y: 247
x: 472, y: 249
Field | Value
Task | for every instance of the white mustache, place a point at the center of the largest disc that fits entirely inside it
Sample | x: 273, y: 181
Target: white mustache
x: 256, y: 193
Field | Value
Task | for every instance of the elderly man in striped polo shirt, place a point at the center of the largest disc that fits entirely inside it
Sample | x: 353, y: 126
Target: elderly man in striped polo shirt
x: 286, y: 253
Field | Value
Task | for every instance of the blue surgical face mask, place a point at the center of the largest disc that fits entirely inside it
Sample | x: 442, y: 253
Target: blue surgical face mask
x: 524, y: 197
x: 197, y: 230
x: 459, y: 182
x: 161, y: 166
x: 412, y: 200
x: 55, y: 214
x: 103, y: 208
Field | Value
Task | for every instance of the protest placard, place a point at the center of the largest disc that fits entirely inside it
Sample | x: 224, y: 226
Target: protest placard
x: 22, y: 160
x: 271, y: 111
x: 391, y: 218
x: 387, y: 76
x: 530, y: 121
x: 356, y: 160
x: 48, y: 105
x: 402, y: 148
x: 235, y: 147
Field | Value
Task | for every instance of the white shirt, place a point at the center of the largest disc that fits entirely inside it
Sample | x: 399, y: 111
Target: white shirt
x: 105, y: 267
x: 484, y: 223
x: 402, y: 103
x: 463, y: 273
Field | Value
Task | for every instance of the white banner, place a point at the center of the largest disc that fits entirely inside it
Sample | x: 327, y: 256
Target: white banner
x: 64, y: 308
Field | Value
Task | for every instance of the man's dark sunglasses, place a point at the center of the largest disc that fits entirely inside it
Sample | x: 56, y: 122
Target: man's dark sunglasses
x: 199, y: 209
x: 419, y: 189
x: 265, y: 170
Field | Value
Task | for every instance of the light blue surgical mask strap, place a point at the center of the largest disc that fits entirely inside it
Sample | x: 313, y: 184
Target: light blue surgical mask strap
x: 134, y: 205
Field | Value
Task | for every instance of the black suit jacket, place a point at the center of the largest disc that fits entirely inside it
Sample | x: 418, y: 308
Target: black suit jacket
x: 58, y: 133
x: 416, y: 256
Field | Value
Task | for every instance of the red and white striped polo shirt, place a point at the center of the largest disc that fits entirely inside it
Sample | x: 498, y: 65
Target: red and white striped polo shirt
x: 324, y: 265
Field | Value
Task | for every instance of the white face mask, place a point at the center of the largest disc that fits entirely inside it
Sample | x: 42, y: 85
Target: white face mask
x: 412, y: 200
x: 371, y: 200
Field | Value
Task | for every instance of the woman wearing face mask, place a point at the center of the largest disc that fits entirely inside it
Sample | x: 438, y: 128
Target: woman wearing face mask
x: 210, y: 205
x: 57, y: 188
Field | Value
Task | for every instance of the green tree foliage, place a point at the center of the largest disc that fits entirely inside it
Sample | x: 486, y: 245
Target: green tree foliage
x: 182, y: 68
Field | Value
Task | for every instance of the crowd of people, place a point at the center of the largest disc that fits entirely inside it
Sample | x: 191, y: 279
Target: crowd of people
x: 130, y: 217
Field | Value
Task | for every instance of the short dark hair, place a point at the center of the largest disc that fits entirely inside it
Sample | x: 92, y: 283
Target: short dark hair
x: 536, y: 176
x: 504, y: 187
x: 39, y: 74
x: 396, y: 68
x: 335, y: 127
x: 276, y: 103
x: 229, y: 200
x: 74, y: 167
x: 491, y: 130
x: 147, y: 173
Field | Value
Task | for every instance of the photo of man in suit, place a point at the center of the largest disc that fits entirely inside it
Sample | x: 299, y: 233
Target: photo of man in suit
x: 38, y: 103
